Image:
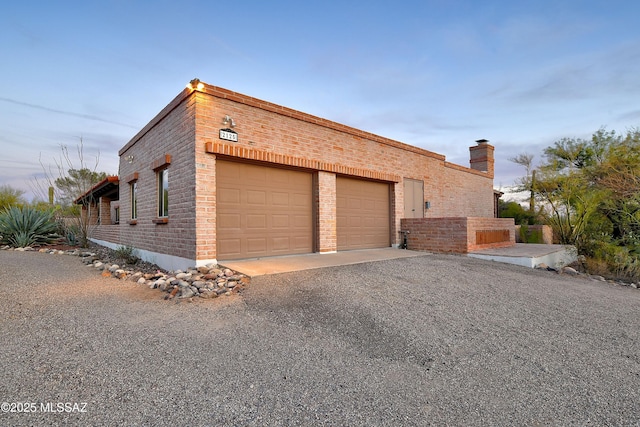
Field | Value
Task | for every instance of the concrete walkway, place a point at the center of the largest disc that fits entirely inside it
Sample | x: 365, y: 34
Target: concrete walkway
x: 530, y: 255
x: 284, y: 264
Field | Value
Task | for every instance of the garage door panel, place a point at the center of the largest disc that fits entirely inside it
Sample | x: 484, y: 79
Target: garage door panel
x: 370, y: 222
x: 230, y: 246
x: 362, y: 214
x: 231, y: 221
x: 280, y: 221
x: 300, y: 200
x: 256, y: 222
x: 255, y: 245
x: 268, y: 210
x: 256, y: 198
x: 252, y: 175
x: 280, y: 199
x: 281, y: 243
x: 355, y: 203
x: 229, y: 195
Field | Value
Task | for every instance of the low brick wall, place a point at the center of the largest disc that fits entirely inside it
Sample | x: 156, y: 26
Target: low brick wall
x: 107, y: 233
x: 458, y: 234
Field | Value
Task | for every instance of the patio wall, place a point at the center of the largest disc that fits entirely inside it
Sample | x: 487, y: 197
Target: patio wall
x: 458, y: 234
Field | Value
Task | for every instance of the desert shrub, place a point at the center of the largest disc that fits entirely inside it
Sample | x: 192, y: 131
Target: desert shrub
x: 128, y: 253
x: 596, y: 266
x: 607, y: 259
x: 26, y: 226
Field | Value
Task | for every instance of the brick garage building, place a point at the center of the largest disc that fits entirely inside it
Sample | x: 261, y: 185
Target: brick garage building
x: 218, y: 175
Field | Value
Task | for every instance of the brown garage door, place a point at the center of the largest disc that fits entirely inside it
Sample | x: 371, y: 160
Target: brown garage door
x: 362, y: 213
x: 262, y: 211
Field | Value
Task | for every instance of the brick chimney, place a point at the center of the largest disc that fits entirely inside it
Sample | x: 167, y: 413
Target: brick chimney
x: 481, y: 157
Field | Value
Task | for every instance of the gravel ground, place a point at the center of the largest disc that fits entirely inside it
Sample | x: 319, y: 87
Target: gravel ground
x: 433, y: 340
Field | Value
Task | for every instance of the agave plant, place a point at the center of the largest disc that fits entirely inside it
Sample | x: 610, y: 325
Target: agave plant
x: 25, y: 226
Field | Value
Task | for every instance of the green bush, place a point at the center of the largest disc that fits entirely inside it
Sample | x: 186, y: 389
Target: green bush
x: 530, y: 235
x: 518, y: 213
x: 128, y: 253
x: 612, y: 261
x: 25, y: 226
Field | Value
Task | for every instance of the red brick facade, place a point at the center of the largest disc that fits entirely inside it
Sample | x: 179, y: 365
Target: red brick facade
x: 184, y: 139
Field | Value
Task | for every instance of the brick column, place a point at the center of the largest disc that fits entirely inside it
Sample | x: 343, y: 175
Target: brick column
x: 105, y: 210
x: 327, y: 225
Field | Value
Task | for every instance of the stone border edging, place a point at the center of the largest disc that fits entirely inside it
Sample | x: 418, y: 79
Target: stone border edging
x: 210, y: 281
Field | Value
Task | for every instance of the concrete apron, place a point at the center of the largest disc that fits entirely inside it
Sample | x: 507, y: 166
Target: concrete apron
x: 530, y: 255
x: 284, y: 264
x: 524, y: 254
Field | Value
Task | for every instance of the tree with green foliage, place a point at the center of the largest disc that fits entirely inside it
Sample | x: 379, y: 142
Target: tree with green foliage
x: 591, y: 193
x: 528, y: 181
x: 70, y: 180
x: 75, y: 183
x: 10, y: 197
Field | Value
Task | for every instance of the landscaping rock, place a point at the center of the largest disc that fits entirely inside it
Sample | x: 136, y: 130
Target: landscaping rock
x: 208, y: 294
x: 206, y: 282
x: 186, y: 292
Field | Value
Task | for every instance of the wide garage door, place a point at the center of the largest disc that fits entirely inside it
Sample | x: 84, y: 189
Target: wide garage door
x: 362, y: 213
x: 262, y: 211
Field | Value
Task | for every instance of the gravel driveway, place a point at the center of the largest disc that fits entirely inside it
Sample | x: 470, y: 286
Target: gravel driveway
x: 432, y: 340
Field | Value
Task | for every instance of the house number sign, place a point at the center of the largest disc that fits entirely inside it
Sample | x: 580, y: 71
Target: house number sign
x: 228, y: 135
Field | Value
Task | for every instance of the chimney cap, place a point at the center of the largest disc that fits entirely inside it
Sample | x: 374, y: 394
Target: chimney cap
x: 482, y: 141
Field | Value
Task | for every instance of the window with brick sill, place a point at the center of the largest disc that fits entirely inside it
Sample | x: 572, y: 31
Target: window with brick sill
x: 163, y: 197
x: 133, y: 186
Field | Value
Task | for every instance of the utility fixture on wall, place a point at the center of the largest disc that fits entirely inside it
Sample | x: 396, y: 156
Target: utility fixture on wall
x: 129, y: 159
x: 228, y: 121
x: 195, y: 84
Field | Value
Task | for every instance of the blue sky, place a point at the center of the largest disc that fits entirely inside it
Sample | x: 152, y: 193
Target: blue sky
x: 435, y: 74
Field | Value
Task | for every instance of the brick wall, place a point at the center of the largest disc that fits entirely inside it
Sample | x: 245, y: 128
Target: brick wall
x: 107, y: 233
x: 457, y: 235
x: 172, y: 134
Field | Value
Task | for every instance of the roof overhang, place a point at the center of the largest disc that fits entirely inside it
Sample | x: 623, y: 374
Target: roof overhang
x: 108, y: 187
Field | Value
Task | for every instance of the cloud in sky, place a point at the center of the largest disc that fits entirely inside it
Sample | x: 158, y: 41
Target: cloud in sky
x: 67, y: 113
x: 437, y: 74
